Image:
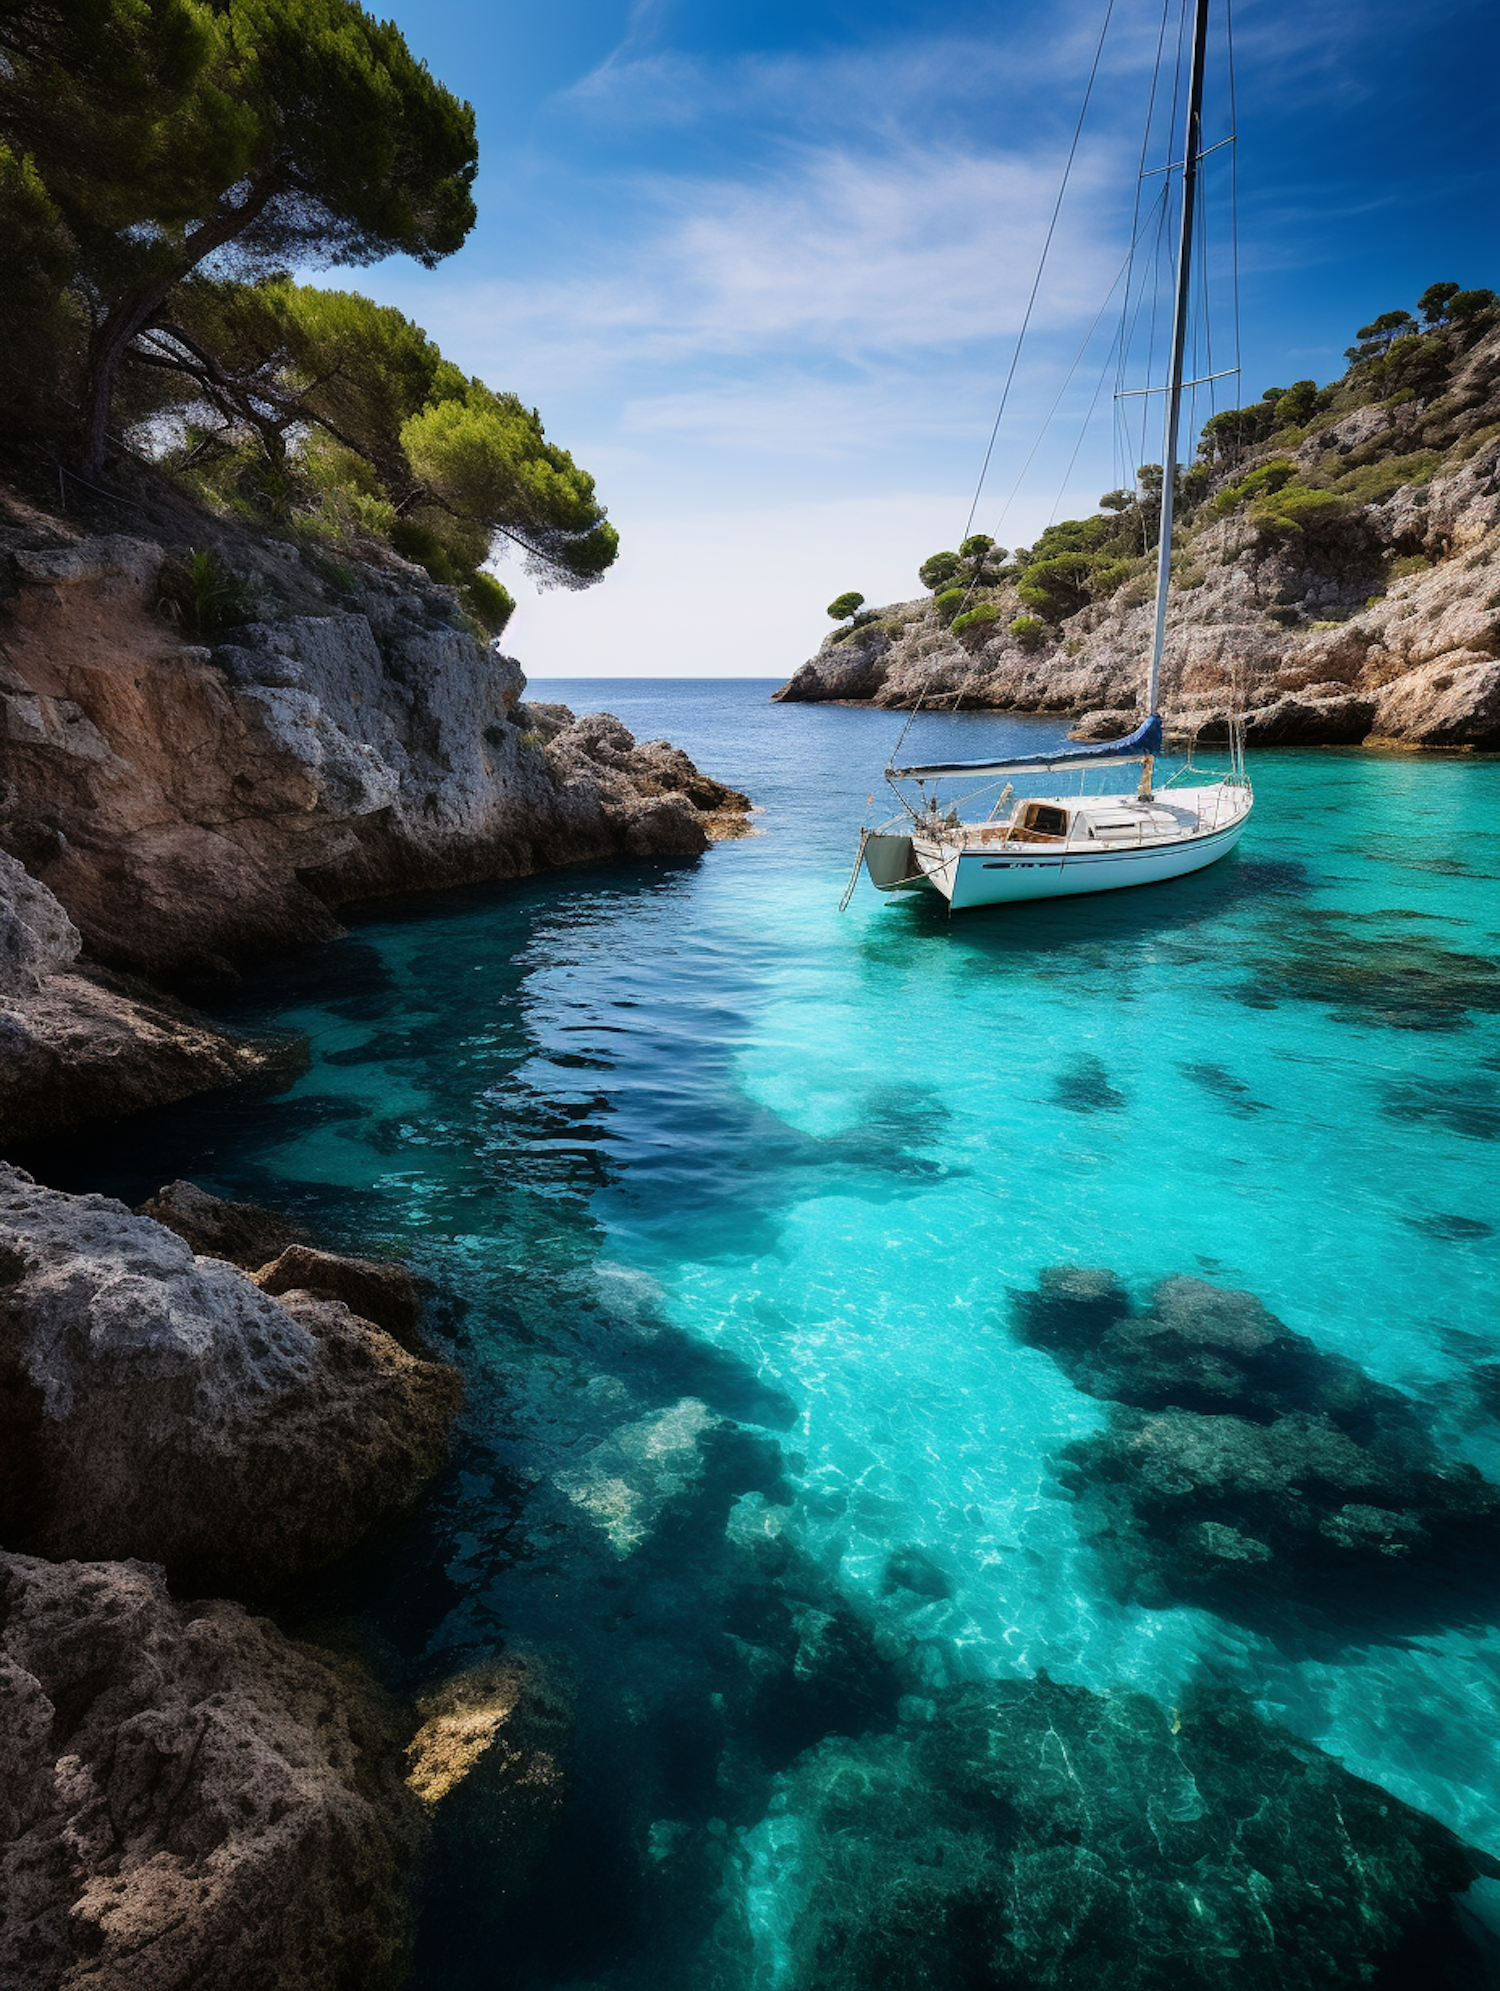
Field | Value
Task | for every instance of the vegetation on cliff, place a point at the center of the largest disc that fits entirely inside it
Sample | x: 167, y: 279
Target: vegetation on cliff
x: 1335, y: 562
x: 1244, y: 460
x: 164, y: 166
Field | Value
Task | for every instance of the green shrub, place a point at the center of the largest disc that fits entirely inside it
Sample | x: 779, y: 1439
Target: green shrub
x: 843, y: 606
x: 974, y: 618
x: 489, y: 602
x: 1028, y: 630
x: 201, y: 595
x: 940, y: 568
x: 1059, y: 585
x: 1109, y: 575
x: 950, y: 602
x: 1409, y: 563
x: 1373, y: 483
x: 1268, y: 479
x: 1297, y: 509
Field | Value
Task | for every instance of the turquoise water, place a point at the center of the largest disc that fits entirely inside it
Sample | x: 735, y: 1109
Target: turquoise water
x: 682, y: 1135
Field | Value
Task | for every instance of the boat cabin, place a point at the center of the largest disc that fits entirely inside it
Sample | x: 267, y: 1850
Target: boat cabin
x: 1042, y: 821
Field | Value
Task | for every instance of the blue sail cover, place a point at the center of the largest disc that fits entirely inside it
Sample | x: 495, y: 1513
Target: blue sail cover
x: 1146, y: 739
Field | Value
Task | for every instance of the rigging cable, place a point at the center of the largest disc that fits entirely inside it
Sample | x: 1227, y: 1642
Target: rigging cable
x: 1041, y: 266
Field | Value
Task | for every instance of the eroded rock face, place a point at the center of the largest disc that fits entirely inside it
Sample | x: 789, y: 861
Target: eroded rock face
x: 187, y: 1798
x: 195, y: 807
x: 377, y: 1290
x: 1329, y: 649
x: 79, y: 1044
x: 1043, y: 1837
x: 158, y: 1405
x: 243, y: 1233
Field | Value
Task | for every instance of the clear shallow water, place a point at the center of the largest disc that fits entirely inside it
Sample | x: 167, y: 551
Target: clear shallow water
x: 680, y: 1135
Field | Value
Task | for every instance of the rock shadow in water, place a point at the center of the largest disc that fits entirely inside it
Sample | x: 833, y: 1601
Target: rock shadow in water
x: 1449, y: 1226
x: 1084, y: 1087
x: 1042, y: 1837
x: 1467, y: 1106
x: 1222, y: 1085
x: 1372, y: 968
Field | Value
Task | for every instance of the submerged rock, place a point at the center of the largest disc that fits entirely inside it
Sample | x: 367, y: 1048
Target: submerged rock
x: 1201, y: 1347
x: 487, y: 1765
x: 157, y: 1405
x: 1041, y: 1837
x: 187, y: 1798
x: 1196, y: 1505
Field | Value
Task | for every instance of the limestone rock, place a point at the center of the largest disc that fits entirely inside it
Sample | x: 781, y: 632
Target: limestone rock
x: 187, y: 1798
x: 1187, y: 1499
x: 1330, y: 649
x: 158, y: 1405
x: 1205, y: 1348
x: 242, y: 1233
x: 1042, y: 1837
x: 487, y: 1760
x: 376, y: 1290
x: 36, y: 935
x: 194, y: 808
x: 89, y: 1046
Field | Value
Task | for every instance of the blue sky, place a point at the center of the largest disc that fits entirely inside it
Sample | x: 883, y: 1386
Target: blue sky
x: 761, y: 267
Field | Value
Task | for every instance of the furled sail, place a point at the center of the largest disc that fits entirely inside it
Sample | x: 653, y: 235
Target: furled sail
x: 1144, y: 741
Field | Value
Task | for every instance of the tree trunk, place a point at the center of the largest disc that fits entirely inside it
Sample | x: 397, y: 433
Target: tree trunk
x: 132, y: 313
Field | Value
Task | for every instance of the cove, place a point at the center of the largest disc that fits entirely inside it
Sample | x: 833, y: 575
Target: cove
x: 724, y: 1197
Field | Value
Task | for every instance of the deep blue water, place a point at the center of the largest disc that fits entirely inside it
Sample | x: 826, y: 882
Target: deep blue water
x: 680, y: 1142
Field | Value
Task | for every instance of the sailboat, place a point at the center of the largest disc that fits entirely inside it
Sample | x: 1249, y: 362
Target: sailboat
x: 1057, y: 844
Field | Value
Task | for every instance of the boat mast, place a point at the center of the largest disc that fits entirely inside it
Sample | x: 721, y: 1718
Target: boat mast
x: 1192, y: 147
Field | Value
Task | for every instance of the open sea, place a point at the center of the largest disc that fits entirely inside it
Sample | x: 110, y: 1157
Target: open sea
x: 723, y: 1195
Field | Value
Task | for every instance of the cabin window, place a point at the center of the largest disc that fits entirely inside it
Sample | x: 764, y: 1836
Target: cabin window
x: 1045, y: 820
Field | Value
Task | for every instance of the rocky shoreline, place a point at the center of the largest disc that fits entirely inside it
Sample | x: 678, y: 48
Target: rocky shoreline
x: 172, y: 811
x: 181, y: 1437
x: 1377, y: 625
x: 197, y: 1404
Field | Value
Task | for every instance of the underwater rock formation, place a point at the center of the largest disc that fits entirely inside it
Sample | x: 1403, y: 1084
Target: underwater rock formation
x: 1201, y: 1347
x: 157, y: 1405
x: 1242, y: 1463
x: 188, y: 1798
x: 1192, y: 1506
x: 80, y: 1044
x: 1043, y: 1837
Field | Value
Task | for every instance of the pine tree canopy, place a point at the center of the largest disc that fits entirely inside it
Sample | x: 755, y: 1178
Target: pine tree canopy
x: 256, y: 132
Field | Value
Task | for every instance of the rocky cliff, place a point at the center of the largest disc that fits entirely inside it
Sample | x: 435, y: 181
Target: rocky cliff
x: 176, y: 809
x: 1343, y: 622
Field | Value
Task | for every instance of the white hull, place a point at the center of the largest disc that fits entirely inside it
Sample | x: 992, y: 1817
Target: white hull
x: 995, y: 873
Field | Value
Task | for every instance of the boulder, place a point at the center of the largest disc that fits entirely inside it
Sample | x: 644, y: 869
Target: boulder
x: 1191, y: 1507
x: 1205, y: 1348
x: 377, y: 1290
x: 1043, y: 1837
x: 188, y: 1798
x: 243, y: 1233
x: 158, y: 1405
